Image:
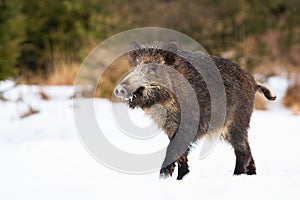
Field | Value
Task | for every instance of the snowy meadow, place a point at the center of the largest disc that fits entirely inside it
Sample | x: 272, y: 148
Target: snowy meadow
x: 42, y: 156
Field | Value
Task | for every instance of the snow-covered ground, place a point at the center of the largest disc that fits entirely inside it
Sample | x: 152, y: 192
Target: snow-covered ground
x: 41, y: 156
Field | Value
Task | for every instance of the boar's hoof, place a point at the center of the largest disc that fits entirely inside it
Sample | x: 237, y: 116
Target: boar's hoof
x: 167, y: 171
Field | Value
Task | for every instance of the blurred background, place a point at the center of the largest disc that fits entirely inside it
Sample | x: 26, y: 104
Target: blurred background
x: 42, y: 45
x: 45, y: 42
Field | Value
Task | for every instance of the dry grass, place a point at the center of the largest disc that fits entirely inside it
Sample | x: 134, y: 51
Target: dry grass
x: 29, y: 112
x: 245, y: 48
x: 43, y: 95
x: 278, y: 62
x: 282, y: 63
x: 273, y: 64
x: 2, y: 98
x: 275, y: 67
x: 111, y: 76
x: 63, y: 74
x: 291, y: 98
x: 260, y: 102
x: 84, y: 92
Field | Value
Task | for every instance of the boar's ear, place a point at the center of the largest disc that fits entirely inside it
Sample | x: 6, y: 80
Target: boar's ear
x: 133, y: 54
x: 170, y: 50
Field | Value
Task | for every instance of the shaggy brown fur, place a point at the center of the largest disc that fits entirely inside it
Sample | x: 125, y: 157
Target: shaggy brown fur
x: 155, y: 86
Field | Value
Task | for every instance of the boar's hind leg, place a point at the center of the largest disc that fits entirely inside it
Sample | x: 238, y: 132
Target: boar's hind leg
x: 251, y: 169
x: 183, y: 167
x: 244, y: 161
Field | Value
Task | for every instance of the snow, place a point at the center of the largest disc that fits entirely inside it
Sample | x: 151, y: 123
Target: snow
x: 43, y: 158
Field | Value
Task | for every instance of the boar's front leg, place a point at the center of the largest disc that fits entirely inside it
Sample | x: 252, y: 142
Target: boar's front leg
x: 183, y: 167
x: 174, y: 154
x: 168, y: 165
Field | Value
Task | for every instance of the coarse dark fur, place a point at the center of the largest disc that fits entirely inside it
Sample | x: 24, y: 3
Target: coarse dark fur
x: 153, y: 86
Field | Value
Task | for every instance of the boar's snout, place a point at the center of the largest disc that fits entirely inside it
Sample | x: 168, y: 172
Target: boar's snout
x: 121, y: 92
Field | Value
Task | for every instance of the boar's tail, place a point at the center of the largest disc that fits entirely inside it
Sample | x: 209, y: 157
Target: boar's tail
x: 263, y: 89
